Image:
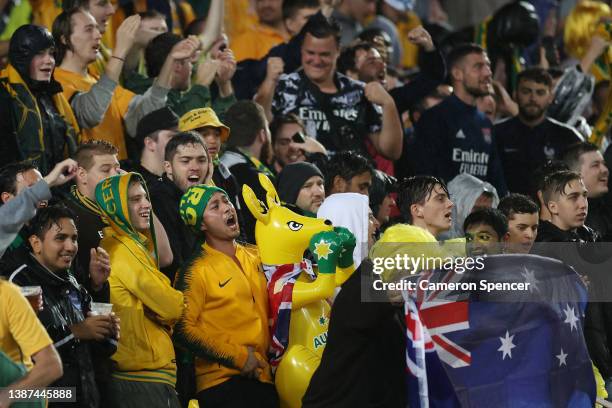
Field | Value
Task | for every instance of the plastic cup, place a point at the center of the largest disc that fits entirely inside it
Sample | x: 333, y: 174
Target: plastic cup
x: 100, y: 309
x: 34, y: 295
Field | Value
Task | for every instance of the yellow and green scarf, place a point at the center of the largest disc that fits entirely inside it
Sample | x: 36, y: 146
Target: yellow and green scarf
x: 112, y: 198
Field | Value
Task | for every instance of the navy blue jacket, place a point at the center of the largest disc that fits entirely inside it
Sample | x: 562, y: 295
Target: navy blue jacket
x: 454, y: 137
x: 523, y: 149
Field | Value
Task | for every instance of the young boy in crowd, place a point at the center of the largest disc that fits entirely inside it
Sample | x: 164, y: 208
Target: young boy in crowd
x: 485, y: 229
x: 522, y: 215
x: 424, y: 201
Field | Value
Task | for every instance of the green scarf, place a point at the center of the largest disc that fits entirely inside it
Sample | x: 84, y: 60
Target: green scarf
x: 194, y: 202
x: 112, y: 199
x: 86, y: 202
x: 262, y: 168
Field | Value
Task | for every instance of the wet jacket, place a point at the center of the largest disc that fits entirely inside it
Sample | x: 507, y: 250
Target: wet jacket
x: 36, y: 121
x: 464, y: 190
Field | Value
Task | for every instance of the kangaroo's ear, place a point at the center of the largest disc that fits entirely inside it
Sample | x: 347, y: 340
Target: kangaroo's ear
x: 256, y: 207
x: 272, y: 195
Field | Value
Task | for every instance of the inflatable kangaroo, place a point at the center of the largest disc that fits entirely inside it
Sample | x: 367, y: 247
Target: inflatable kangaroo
x: 299, y: 309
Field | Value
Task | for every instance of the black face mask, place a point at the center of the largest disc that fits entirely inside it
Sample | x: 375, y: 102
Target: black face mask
x: 26, y: 42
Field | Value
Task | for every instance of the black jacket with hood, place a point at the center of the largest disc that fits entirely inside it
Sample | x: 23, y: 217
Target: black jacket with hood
x: 45, y: 138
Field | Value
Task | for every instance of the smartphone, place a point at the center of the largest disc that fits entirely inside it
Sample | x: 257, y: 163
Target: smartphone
x: 298, y: 137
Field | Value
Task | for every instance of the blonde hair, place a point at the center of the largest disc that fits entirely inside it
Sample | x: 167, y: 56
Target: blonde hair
x: 581, y: 24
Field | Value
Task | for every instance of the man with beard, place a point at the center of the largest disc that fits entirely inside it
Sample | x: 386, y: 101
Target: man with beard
x: 187, y: 163
x: 248, y: 148
x: 454, y: 137
x: 526, y: 141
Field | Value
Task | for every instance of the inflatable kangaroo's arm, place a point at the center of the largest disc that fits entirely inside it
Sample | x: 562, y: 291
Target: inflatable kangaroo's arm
x: 346, y: 265
x: 327, y: 248
x: 333, y: 251
x: 309, y: 292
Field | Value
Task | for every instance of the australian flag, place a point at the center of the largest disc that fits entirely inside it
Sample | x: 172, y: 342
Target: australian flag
x: 511, y: 348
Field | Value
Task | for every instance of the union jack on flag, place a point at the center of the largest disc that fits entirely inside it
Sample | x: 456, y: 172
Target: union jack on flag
x: 281, y: 279
x: 429, y: 316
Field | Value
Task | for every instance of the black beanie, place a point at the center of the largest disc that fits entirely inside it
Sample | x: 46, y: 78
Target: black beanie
x: 160, y: 119
x: 292, y: 178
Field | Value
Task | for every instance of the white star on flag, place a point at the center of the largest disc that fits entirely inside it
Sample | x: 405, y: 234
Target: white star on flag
x: 570, y: 317
x: 530, y: 279
x: 562, y: 358
x: 506, y: 345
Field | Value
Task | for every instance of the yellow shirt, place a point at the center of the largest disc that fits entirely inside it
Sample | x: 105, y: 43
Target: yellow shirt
x: 148, y: 306
x: 410, y: 52
x: 111, y: 128
x: 44, y: 13
x: 239, y: 15
x: 21, y: 333
x: 255, y: 42
x: 226, y: 311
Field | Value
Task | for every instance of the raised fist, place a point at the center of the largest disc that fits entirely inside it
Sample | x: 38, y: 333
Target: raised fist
x: 347, y: 246
x: 326, y: 247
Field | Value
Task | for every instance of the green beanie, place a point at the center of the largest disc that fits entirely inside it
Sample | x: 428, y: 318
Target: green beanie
x: 194, y: 202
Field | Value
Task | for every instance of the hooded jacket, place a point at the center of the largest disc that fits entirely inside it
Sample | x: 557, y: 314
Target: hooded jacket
x: 464, y: 190
x: 349, y: 210
x: 142, y: 295
x: 36, y: 121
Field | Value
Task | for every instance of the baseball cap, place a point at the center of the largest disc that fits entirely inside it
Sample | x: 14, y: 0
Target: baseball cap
x: 201, y: 117
x: 160, y: 119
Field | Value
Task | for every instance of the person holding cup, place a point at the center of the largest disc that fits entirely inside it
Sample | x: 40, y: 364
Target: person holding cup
x: 76, y: 333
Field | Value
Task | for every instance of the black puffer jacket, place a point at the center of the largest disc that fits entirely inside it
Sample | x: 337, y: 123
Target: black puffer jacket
x: 66, y: 303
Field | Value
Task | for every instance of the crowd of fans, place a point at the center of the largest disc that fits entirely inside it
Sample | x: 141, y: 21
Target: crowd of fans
x: 128, y: 130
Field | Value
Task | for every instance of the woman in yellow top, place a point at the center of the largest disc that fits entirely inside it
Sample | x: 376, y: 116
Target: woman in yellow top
x: 142, y: 297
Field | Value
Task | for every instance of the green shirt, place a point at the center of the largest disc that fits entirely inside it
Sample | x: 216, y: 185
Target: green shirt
x: 196, y: 97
